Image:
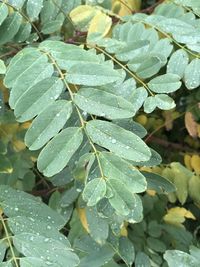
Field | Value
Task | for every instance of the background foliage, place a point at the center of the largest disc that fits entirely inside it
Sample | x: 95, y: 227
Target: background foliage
x: 100, y: 128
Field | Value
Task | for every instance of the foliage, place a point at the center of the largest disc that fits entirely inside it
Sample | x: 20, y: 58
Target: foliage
x: 82, y: 84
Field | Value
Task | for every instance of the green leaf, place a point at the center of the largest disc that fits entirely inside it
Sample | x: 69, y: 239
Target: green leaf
x: 126, y: 250
x: 33, y: 8
x: 101, y: 103
x: 57, y: 153
x: 38, y: 97
x: 117, y: 168
x: 119, y: 141
x: 156, y: 245
x: 3, y: 12
x: 94, y: 191
x: 98, y: 258
x: 166, y: 83
x: 142, y: 260
x: 32, y: 245
x: 92, y: 74
x: 98, y: 226
x: 154, y: 160
x: 178, y: 62
x: 158, y: 183
x: 2, y: 67
x: 192, y: 74
x: 149, y: 104
x: 48, y: 123
x: 10, y: 27
x: 122, y: 200
x: 25, y: 70
x: 174, y: 257
x: 164, y: 102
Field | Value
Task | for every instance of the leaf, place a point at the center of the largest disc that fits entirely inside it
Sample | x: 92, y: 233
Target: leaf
x: 101, y: 103
x: 2, y: 67
x: 3, y: 12
x: 82, y: 16
x: 119, y: 141
x: 10, y: 27
x: 99, y: 27
x: 32, y: 245
x: 94, y: 191
x: 126, y: 250
x: 98, y: 227
x: 92, y: 74
x: 194, y: 187
x: 177, y: 216
x: 156, y: 245
x: 57, y: 153
x: 164, y: 102
x: 142, y: 260
x: 26, y: 70
x: 178, y: 62
x: 174, y: 257
x: 158, y: 183
x: 33, y: 8
x: 192, y: 74
x: 191, y: 124
x: 166, y: 83
x: 37, y: 98
x: 98, y: 258
x: 122, y: 200
x: 47, y: 124
x: 115, y: 168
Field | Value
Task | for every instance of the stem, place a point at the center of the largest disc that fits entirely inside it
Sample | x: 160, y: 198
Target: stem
x: 8, y: 237
x: 82, y: 121
x: 125, y: 68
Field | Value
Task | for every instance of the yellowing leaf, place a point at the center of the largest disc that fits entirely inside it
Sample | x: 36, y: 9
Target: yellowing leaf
x: 125, y: 7
x: 83, y: 219
x: 177, y: 216
x: 123, y: 231
x: 142, y: 119
x: 18, y: 145
x: 99, y: 26
x: 190, y: 124
x: 195, y: 163
x: 151, y: 193
x: 187, y: 161
x: 82, y: 16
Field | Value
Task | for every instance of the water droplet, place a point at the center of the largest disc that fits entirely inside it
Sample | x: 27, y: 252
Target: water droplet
x: 16, y: 209
x: 113, y: 141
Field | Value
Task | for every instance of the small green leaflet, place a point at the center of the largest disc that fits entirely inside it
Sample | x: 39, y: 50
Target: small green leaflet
x: 3, y: 12
x: 123, y: 143
x: 47, y: 124
x: 174, y: 257
x: 57, y: 153
x: 37, y: 98
x: 94, y: 191
x: 104, y: 104
x: 92, y: 74
x: 116, y: 168
x: 2, y: 67
x: 192, y: 74
x: 10, y: 27
x: 178, y: 62
x: 166, y: 83
x: 122, y: 200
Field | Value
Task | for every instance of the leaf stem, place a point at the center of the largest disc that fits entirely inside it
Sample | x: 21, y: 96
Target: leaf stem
x: 8, y: 237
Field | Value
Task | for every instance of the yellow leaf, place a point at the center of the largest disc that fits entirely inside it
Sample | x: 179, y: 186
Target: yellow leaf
x: 18, y: 145
x: 151, y: 193
x: 195, y: 163
x: 99, y: 26
x: 123, y: 231
x: 198, y: 130
x: 82, y: 16
x: 177, y: 216
x: 142, y: 119
x: 83, y: 218
x: 190, y: 124
x: 125, y: 7
x: 187, y: 161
